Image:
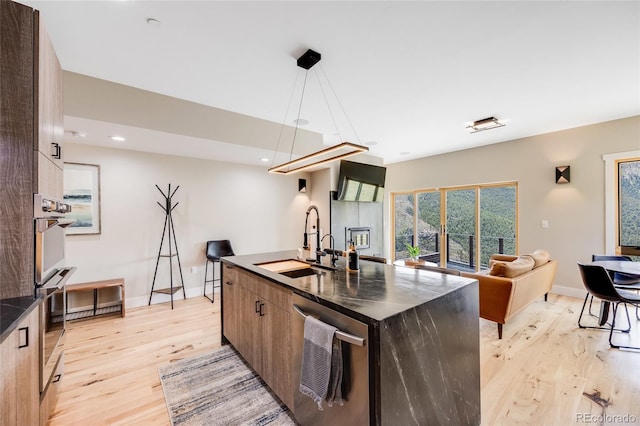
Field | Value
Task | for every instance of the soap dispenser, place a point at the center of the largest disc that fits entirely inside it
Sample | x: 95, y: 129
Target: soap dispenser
x: 353, y: 261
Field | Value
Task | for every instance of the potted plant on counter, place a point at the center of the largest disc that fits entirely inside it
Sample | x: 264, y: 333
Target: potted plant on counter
x: 414, y: 253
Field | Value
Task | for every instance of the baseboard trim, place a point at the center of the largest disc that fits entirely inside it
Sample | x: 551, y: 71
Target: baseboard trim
x: 135, y: 302
x: 568, y: 291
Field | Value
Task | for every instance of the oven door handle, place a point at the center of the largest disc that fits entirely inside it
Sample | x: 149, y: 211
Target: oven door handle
x: 59, y: 279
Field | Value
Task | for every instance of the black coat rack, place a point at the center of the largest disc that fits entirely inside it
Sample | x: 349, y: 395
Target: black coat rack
x: 168, y: 225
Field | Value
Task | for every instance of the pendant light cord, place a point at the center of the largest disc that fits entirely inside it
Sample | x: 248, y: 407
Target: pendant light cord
x: 284, y: 120
x: 339, y: 104
x: 295, y: 132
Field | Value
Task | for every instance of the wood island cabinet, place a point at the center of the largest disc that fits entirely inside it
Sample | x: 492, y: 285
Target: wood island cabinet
x: 256, y: 318
x: 19, y: 384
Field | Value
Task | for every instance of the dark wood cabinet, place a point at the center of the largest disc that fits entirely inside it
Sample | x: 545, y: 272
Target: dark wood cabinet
x: 17, y: 124
x: 256, y: 320
x: 19, y: 384
x: 31, y: 124
x: 31, y: 132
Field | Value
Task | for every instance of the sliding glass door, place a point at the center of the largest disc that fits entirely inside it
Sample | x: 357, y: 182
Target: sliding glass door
x: 404, y: 224
x: 458, y: 227
x: 497, y: 222
x: 429, y: 225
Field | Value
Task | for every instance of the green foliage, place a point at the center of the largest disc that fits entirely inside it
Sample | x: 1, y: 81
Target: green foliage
x: 414, y: 251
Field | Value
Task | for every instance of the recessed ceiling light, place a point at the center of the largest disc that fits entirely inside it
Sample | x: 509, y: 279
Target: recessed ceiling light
x: 300, y: 122
x: 77, y: 134
x: 264, y: 160
x: 117, y: 138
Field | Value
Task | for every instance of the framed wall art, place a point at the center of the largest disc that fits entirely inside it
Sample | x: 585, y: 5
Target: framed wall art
x: 82, y: 192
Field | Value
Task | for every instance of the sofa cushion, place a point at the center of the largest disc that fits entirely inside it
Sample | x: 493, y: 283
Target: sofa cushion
x: 519, y: 266
x: 540, y: 257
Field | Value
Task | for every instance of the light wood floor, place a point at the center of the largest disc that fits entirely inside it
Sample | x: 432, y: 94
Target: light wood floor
x: 545, y: 371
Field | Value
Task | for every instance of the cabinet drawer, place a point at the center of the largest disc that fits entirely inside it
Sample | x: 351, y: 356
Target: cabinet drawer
x: 229, y: 273
x: 50, y: 396
x: 275, y: 294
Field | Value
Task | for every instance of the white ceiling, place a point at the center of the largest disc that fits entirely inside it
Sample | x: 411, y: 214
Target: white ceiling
x: 409, y: 75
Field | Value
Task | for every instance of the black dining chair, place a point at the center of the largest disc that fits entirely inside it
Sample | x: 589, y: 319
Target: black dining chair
x: 620, y: 279
x: 214, y: 251
x: 598, y: 283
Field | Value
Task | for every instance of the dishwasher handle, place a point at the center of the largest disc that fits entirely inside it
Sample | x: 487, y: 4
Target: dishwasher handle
x: 340, y: 335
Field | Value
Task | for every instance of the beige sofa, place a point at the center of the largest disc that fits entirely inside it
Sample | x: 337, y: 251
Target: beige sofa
x: 512, y: 283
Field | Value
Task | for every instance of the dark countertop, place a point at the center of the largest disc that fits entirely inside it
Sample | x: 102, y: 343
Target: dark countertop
x: 377, y: 292
x: 13, y: 311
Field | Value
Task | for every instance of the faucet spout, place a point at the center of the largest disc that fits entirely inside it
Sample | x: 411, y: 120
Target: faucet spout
x: 332, y: 243
x: 306, y: 234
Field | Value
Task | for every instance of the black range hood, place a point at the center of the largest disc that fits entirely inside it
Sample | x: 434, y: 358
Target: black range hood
x: 360, y: 182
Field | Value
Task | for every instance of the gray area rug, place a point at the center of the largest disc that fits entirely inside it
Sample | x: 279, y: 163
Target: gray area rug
x: 218, y: 388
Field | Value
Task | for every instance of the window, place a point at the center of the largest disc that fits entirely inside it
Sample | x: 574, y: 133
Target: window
x: 457, y: 227
x: 629, y: 207
x: 621, y: 202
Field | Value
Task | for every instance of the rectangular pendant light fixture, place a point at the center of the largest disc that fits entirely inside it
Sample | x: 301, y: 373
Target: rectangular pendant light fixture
x: 336, y: 152
x: 484, y: 124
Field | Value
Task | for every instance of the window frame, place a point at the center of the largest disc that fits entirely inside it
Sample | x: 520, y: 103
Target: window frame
x: 443, y: 191
x: 612, y: 199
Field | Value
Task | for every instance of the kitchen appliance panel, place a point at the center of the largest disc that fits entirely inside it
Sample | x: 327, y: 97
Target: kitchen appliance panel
x: 355, y: 410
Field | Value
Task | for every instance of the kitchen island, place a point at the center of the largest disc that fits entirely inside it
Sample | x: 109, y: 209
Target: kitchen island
x: 419, y: 331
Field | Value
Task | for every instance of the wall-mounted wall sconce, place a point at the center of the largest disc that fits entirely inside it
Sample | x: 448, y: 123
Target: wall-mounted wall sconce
x: 302, y: 185
x: 563, y: 174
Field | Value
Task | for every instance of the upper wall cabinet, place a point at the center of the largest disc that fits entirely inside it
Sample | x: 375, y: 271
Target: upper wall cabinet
x: 48, y: 86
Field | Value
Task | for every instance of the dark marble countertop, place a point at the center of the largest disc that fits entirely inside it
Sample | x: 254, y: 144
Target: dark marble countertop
x: 378, y: 291
x: 13, y: 311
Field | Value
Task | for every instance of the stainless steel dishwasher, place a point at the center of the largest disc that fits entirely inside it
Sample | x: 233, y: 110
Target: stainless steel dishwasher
x: 353, y: 335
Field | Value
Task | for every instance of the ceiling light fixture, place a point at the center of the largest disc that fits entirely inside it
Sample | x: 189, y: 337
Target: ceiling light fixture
x: 117, y: 138
x: 484, y: 124
x: 336, y: 152
x: 76, y: 134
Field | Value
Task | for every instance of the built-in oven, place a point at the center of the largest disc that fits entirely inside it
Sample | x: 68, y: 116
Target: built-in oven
x: 51, y: 275
x: 52, y: 325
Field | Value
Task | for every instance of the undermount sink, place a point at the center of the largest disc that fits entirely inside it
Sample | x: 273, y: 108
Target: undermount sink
x: 289, y: 267
x: 297, y: 273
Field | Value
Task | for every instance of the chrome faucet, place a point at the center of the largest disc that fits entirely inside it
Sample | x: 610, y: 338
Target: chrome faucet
x: 306, y: 222
x: 332, y: 242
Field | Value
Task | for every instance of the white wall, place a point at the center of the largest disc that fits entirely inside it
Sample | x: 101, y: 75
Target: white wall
x: 257, y: 211
x: 575, y: 211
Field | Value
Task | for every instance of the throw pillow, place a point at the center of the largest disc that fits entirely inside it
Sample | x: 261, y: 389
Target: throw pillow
x: 512, y: 269
x: 540, y: 257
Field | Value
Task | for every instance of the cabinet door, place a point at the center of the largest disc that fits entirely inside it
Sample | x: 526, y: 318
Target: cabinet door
x: 19, y: 388
x: 50, y: 109
x: 8, y: 379
x: 275, y: 332
x: 230, y: 298
x: 249, y: 329
x: 28, y: 387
